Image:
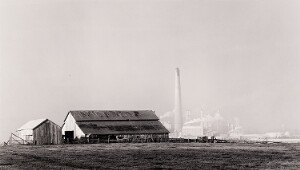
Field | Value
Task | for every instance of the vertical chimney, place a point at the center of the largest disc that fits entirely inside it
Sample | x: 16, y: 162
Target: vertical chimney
x: 178, y: 109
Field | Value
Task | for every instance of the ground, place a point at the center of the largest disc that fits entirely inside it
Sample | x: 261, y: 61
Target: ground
x: 152, y: 156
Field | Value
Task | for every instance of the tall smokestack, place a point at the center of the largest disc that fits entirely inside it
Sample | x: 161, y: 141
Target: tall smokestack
x: 178, y: 110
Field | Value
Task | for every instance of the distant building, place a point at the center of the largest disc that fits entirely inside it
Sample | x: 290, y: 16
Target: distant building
x: 114, y: 125
x: 192, y: 131
x: 40, y: 132
x: 205, y: 125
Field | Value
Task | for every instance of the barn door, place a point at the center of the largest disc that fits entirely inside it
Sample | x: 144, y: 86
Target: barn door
x: 69, y: 136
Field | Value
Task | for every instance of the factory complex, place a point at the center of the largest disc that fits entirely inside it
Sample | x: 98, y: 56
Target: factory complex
x: 97, y: 126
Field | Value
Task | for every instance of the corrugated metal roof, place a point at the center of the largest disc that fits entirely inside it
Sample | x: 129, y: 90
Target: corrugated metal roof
x: 32, y: 124
x: 113, y: 115
x: 122, y: 127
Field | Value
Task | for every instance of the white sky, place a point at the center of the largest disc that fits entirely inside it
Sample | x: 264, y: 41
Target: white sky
x: 242, y: 57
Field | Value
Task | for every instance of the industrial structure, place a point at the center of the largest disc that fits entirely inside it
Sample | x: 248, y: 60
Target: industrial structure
x: 178, y: 106
x: 174, y: 120
x: 38, y: 132
x: 196, y: 124
x: 109, y: 125
x: 127, y: 125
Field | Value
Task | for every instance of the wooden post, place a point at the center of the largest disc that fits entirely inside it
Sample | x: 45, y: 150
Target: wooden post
x: 88, y: 138
x: 10, y: 138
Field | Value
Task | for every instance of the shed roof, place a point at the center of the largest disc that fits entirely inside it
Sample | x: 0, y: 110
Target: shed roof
x: 32, y: 124
x: 113, y: 115
x: 122, y: 127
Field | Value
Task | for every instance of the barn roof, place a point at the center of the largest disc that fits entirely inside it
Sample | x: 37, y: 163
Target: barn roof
x: 122, y: 127
x: 32, y: 124
x: 113, y: 115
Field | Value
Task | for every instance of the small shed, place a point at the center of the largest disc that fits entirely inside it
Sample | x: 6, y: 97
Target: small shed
x: 134, y: 125
x: 40, y: 132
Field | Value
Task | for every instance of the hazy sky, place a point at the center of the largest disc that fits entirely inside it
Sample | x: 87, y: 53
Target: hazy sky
x: 242, y: 57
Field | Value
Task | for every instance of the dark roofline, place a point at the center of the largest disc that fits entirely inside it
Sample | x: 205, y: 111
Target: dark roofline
x: 67, y: 116
x: 44, y: 122
x: 39, y: 124
x: 105, y: 111
x: 35, y: 126
x: 117, y: 120
x: 161, y: 130
x: 110, y: 110
x: 128, y: 133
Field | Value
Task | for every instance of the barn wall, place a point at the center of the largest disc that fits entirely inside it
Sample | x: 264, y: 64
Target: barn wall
x: 70, y: 125
x: 47, y: 133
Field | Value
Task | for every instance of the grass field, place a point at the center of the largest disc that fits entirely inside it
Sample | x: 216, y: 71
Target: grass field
x: 152, y: 156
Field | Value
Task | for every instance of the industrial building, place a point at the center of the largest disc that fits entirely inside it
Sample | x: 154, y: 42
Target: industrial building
x: 178, y: 117
x: 175, y: 117
x: 39, y: 132
x: 192, y: 127
x: 109, y: 125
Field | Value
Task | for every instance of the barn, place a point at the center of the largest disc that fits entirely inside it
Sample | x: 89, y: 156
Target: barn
x: 112, y: 125
x: 40, y: 132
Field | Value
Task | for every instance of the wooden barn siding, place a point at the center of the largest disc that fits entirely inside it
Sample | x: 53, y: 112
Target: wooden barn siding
x: 47, y: 133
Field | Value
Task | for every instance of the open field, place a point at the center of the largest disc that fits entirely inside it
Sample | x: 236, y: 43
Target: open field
x: 152, y: 155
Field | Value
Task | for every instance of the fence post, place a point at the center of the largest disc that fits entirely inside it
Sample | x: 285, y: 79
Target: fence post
x: 10, y: 138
